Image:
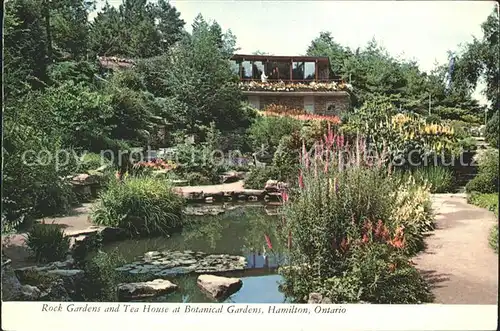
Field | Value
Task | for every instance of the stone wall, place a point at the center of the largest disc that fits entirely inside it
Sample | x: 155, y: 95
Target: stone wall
x: 341, y: 104
x: 289, y: 101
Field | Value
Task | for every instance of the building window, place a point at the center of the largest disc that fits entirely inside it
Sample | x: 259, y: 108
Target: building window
x: 246, y: 69
x: 257, y: 69
x: 310, y: 71
x: 279, y: 71
x: 235, y: 68
x: 298, y: 70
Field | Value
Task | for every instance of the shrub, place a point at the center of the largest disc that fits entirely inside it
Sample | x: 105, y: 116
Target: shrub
x: 413, y: 211
x: 84, y: 249
x: 439, y: 179
x: 93, y: 161
x: 492, y: 133
x: 47, y: 242
x: 493, y: 238
x: 486, y: 180
x: 141, y: 205
x: 266, y: 132
x: 488, y: 201
x: 196, y: 178
x: 258, y: 177
x: 101, y: 278
x: 343, y: 238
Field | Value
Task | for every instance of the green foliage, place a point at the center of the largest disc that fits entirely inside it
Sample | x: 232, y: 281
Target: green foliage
x: 93, y: 161
x: 47, y: 242
x: 86, y: 248
x: 25, y: 64
x: 440, y: 179
x: 488, y: 201
x: 32, y: 181
x: 136, y: 29
x: 492, y: 133
x: 373, y: 72
x: 258, y: 177
x: 493, y: 238
x: 486, y: 181
x: 351, y: 229
x: 141, y: 205
x: 266, y: 132
x: 101, y: 278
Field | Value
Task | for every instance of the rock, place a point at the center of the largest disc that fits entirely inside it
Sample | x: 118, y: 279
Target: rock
x: 271, y: 185
x: 56, y: 291
x: 67, y: 264
x: 316, y: 298
x: 30, y: 293
x: 111, y: 234
x: 11, y: 287
x: 67, y: 272
x: 218, y: 287
x: 231, y: 177
x: 145, y: 289
x: 84, y: 179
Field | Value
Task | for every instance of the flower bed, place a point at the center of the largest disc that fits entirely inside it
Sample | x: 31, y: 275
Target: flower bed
x: 293, y: 87
x: 350, y: 229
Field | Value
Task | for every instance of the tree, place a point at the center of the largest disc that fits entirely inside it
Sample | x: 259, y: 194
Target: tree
x: 25, y: 47
x: 137, y: 29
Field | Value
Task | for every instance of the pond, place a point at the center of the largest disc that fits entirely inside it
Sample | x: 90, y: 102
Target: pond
x: 240, y: 230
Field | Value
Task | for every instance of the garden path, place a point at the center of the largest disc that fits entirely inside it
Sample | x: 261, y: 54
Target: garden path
x: 458, y: 262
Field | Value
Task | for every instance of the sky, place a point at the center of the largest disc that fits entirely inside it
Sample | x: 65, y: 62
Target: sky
x: 423, y: 31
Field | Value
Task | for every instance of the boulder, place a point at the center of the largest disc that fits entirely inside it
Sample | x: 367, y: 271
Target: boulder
x: 30, y: 293
x: 218, y: 287
x: 55, y: 291
x: 231, y: 177
x: 271, y: 185
x: 11, y: 287
x: 139, y: 290
x: 111, y: 234
x: 316, y: 298
x: 84, y: 179
x: 67, y: 272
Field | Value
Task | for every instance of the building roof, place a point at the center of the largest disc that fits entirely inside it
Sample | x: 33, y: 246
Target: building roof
x: 279, y: 58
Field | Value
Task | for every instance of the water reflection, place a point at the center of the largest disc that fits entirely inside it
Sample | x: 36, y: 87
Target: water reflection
x: 239, y: 231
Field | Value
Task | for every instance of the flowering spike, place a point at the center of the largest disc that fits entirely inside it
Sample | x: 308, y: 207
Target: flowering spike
x: 268, y: 241
x: 284, y: 196
x: 301, y: 179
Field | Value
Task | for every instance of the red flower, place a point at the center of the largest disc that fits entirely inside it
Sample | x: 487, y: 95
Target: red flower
x: 284, y: 196
x: 268, y: 241
x: 365, y: 239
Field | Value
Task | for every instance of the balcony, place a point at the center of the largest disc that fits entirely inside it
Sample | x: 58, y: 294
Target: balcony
x: 293, y: 87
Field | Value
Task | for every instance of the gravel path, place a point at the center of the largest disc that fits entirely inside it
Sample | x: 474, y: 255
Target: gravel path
x: 458, y: 262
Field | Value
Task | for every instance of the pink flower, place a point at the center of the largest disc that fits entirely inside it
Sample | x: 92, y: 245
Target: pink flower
x: 301, y: 180
x: 268, y: 241
x: 284, y: 196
